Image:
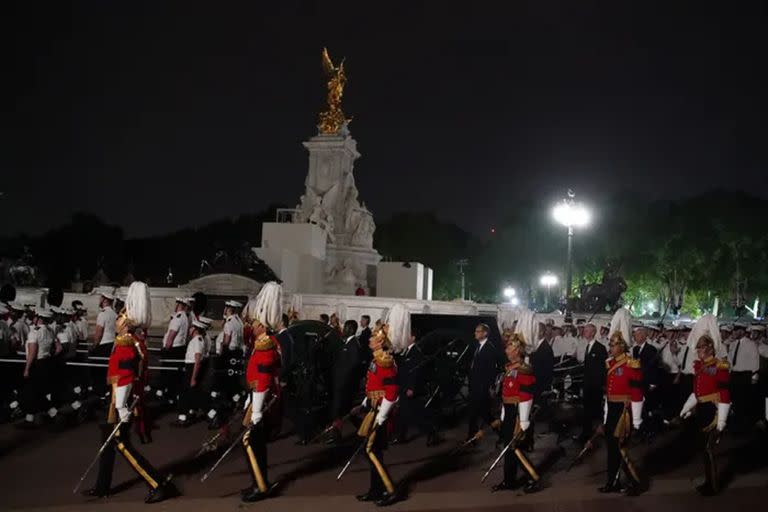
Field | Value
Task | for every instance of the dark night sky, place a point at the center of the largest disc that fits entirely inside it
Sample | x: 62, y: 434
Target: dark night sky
x: 157, y: 118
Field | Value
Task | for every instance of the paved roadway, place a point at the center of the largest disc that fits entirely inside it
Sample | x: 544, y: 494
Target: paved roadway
x: 38, y: 470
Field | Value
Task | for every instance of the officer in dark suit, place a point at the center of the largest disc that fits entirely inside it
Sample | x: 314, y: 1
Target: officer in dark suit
x: 648, y: 356
x: 347, y: 369
x: 364, y: 337
x: 485, y: 365
x: 595, y: 355
x: 543, y: 361
x: 410, y: 377
x: 285, y: 340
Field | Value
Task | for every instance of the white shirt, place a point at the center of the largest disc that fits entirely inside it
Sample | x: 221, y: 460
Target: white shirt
x: 66, y: 334
x: 220, y: 343
x: 744, y: 356
x: 195, y: 346
x: 670, y: 362
x: 81, y: 328
x: 106, y: 319
x: 583, y: 348
x: 234, y: 327
x: 180, y: 324
x: 21, y: 330
x: 43, y: 337
x: 564, y: 346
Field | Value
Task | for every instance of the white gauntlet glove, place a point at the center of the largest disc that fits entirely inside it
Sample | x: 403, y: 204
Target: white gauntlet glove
x: 121, y: 402
x: 688, y: 406
x: 384, y: 409
x: 257, y: 404
x: 524, y: 413
x: 637, y: 414
x: 722, y: 416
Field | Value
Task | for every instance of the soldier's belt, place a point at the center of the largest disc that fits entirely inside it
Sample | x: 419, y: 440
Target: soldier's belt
x: 713, y: 398
x: 624, y: 399
x: 511, y: 400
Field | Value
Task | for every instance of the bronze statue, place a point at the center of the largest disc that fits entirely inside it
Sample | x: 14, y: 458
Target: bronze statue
x: 333, y: 119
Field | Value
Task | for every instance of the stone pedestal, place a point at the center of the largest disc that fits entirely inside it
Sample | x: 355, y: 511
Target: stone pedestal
x: 399, y: 279
x: 330, y: 202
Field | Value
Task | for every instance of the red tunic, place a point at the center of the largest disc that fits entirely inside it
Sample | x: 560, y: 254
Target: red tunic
x: 123, y: 362
x: 381, y: 380
x: 711, y: 381
x: 624, y: 380
x: 263, y: 365
x: 518, y: 383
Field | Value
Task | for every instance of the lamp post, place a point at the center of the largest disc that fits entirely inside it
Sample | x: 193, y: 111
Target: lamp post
x: 570, y: 214
x: 548, y: 280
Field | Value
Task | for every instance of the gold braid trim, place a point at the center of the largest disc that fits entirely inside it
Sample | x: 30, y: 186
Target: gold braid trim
x: 263, y: 342
x: 384, y: 359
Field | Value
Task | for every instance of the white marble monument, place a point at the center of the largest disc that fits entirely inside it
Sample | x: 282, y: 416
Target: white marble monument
x: 331, y: 202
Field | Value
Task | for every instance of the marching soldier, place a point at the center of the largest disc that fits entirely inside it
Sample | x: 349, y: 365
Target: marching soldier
x: 104, y: 336
x: 624, y: 406
x: 381, y: 392
x: 121, y: 376
x: 174, y: 347
x: 712, y: 400
x: 517, y: 402
x: 263, y: 379
x: 744, y: 358
x: 189, y: 402
x: 38, y: 348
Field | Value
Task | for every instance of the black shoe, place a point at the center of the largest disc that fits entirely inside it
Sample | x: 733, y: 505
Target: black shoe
x: 156, y: 495
x: 95, y: 493
x: 705, y: 490
x: 386, y: 500
x: 369, y: 496
x: 302, y: 442
x: 253, y: 494
x: 608, y: 488
x: 396, y: 440
x: 181, y: 423
x: 504, y: 486
x: 632, y: 490
x: 531, y: 487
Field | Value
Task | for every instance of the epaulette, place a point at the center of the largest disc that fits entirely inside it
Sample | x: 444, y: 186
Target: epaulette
x: 384, y: 359
x: 633, y: 363
x: 229, y: 318
x: 37, y: 327
x: 264, y: 342
x: 723, y: 364
x: 178, y: 315
x: 124, y: 340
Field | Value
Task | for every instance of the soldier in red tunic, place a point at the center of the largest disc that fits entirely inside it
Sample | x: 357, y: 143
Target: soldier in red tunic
x: 712, y: 402
x: 517, y: 402
x: 122, y: 373
x: 381, y: 392
x: 262, y: 376
x: 623, y: 410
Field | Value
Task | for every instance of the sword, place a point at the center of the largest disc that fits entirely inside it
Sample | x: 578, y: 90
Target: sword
x: 328, y: 429
x: 587, y: 447
x: 104, y: 446
x: 512, y: 443
x: 235, y: 442
x: 365, y: 441
x: 209, y: 445
x: 344, y: 469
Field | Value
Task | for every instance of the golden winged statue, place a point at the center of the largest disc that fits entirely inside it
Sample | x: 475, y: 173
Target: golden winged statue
x: 333, y: 119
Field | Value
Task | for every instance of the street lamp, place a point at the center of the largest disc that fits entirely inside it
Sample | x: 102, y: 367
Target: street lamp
x: 548, y: 280
x: 570, y: 214
x: 509, y: 292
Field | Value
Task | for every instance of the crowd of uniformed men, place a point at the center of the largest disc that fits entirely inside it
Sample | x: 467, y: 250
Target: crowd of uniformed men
x: 629, y: 376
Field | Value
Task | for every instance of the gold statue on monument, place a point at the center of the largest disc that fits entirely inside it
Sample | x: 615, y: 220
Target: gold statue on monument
x: 333, y: 119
